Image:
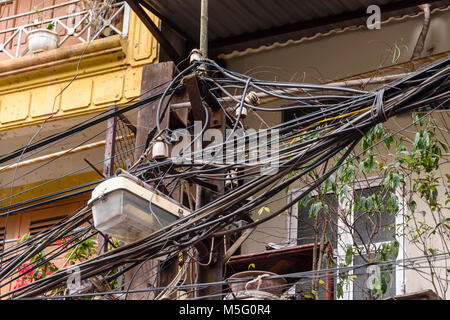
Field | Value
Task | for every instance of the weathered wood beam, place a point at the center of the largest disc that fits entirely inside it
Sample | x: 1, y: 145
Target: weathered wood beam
x: 108, y: 168
x: 238, y: 243
x: 153, y: 28
x: 195, y: 97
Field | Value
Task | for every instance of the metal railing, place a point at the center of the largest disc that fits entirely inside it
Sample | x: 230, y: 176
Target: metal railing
x: 78, y: 25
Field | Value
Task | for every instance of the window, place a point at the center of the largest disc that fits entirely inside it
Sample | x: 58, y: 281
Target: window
x: 376, y: 229
x: 360, y: 288
x: 306, y: 227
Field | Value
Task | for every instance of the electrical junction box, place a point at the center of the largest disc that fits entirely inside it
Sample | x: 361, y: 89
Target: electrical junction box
x: 129, y: 211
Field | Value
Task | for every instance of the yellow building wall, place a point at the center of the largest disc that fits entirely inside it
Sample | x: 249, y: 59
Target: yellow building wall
x: 46, y: 186
x: 76, y: 80
x: 71, y: 82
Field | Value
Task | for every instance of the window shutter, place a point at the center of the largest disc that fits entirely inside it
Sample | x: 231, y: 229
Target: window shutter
x: 2, y: 237
x: 37, y: 226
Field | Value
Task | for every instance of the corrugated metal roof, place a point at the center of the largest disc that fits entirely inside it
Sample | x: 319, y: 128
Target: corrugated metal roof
x: 261, y: 48
x: 233, y: 23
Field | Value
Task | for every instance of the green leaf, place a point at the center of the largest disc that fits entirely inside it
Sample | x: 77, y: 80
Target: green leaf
x: 261, y: 210
x: 384, y: 283
x: 352, y: 277
x: 314, y: 209
x: 388, y: 142
x: 393, y: 249
x: 377, y: 284
x: 300, y: 205
x: 340, y: 289
x: 412, y: 206
x: 24, y: 237
x: 396, y: 180
x: 325, y: 208
x: 349, y: 255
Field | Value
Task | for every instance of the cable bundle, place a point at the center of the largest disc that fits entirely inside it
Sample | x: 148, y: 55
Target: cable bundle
x: 335, y: 121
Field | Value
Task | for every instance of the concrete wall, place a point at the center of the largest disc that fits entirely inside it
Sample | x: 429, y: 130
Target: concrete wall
x: 332, y: 58
x: 343, y: 55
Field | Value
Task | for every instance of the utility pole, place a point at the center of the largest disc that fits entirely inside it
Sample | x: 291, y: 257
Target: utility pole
x: 108, y: 167
x: 214, y: 248
x: 154, y: 75
x: 145, y: 275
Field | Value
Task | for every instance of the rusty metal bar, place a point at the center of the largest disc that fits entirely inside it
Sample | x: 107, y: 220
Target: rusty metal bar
x: 128, y: 123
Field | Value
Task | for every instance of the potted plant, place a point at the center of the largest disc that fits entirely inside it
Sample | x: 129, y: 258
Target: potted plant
x: 42, y: 39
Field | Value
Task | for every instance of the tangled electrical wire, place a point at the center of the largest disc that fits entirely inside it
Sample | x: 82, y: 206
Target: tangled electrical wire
x: 331, y: 122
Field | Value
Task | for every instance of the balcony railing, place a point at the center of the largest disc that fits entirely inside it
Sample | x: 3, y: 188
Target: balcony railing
x: 74, y: 22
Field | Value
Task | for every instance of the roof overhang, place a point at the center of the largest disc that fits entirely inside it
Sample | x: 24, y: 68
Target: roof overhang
x: 238, y: 24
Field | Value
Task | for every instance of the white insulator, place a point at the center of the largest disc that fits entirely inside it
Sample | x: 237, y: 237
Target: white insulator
x: 252, y: 98
x: 160, y: 150
x: 243, y: 113
x: 228, y: 182
x: 230, y: 179
x: 195, y: 55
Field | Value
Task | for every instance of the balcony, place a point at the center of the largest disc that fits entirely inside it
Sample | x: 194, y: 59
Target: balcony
x: 77, y: 21
x: 105, y: 72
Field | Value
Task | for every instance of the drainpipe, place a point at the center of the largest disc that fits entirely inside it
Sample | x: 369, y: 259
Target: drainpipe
x: 423, y: 34
x: 204, y: 28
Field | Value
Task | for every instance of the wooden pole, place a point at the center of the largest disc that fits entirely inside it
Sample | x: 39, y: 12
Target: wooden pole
x: 152, y: 76
x: 212, y: 258
x: 108, y: 168
x: 145, y: 275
